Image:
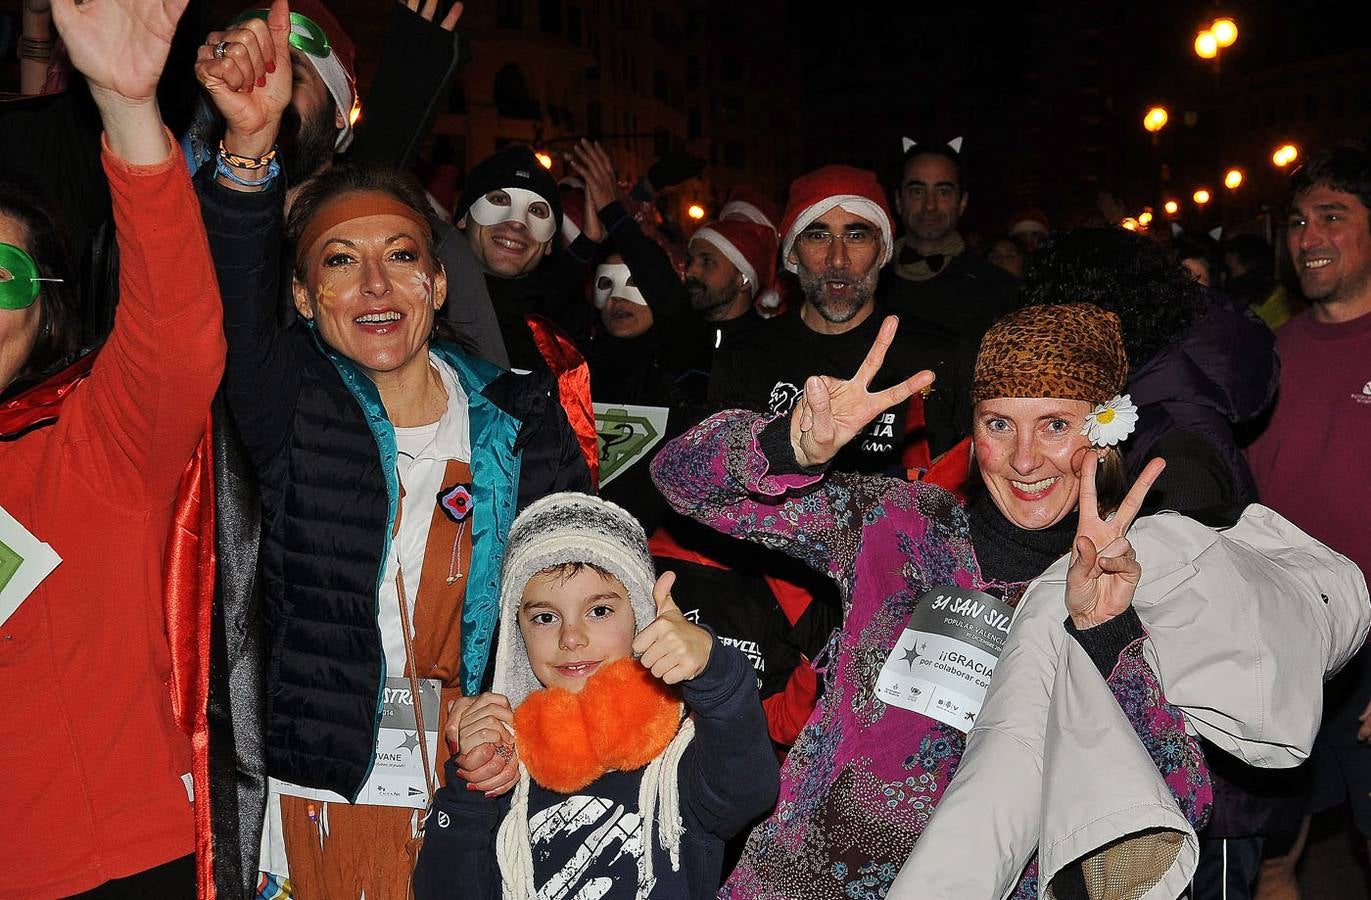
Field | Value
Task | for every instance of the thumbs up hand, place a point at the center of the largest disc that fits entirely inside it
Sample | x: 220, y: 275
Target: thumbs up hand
x: 673, y: 648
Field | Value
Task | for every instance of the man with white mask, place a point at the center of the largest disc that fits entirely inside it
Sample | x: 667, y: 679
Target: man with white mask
x: 500, y: 257
x: 502, y: 250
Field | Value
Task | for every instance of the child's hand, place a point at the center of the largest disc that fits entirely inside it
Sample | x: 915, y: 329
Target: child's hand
x: 480, y: 734
x: 672, y: 648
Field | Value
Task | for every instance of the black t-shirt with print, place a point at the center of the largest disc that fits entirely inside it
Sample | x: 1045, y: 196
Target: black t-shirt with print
x: 766, y: 371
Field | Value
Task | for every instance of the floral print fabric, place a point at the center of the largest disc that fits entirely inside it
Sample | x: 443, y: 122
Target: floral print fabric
x: 864, y: 777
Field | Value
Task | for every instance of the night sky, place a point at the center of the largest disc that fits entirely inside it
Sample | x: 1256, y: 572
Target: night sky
x: 1045, y: 93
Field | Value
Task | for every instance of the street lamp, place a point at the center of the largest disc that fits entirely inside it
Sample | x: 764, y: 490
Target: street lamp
x: 1284, y: 155
x: 1145, y: 218
x: 1232, y: 179
x: 1225, y: 31
x: 696, y: 211
x: 1156, y: 119
x: 544, y: 159
x: 1171, y: 207
x: 1129, y: 224
x: 1221, y: 33
x: 1201, y: 196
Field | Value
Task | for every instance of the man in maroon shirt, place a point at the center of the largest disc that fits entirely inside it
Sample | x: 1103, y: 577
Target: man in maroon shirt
x: 1310, y: 463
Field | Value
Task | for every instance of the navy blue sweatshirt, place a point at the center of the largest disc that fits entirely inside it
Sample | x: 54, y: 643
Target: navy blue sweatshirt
x: 727, y: 778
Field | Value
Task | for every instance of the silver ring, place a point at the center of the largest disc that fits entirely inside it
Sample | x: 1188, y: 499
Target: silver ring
x: 221, y: 49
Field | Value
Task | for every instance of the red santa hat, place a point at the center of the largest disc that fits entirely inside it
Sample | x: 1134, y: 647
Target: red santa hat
x: 749, y: 204
x: 855, y: 190
x: 749, y: 246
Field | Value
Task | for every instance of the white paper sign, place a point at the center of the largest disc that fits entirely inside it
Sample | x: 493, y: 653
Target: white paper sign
x: 397, y: 776
x: 942, y: 664
x: 24, y: 562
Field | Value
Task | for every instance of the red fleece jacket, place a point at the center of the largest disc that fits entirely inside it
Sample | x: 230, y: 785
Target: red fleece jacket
x: 90, y: 757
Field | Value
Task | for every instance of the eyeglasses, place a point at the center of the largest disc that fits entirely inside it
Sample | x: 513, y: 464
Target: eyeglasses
x: 822, y: 240
x: 305, y: 34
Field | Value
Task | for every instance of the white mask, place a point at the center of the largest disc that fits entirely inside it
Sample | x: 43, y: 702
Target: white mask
x: 521, y: 201
x: 611, y: 280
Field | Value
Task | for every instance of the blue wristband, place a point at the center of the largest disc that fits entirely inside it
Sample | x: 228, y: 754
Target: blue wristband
x: 224, y: 169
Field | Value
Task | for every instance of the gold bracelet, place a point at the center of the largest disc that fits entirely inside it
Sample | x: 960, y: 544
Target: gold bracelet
x: 246, y: 162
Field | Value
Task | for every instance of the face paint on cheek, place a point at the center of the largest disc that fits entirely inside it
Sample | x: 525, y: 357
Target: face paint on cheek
x: 424, y: 282
x: 611, y: 280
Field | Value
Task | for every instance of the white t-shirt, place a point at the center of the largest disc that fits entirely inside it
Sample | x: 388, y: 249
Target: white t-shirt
x: 422, y: 458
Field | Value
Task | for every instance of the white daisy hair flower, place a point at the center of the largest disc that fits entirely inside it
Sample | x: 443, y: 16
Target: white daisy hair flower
x: 1111, y: 422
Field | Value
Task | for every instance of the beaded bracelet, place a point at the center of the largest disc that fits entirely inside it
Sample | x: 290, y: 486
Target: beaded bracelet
x: 222, y: 167
x: 246, y: 162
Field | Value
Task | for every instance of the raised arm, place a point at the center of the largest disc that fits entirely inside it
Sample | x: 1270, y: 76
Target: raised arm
x: 244, y: 223
x: 728, y: 773
x: 418, y: 64
x: 148, y: 396
x: 607, y: 218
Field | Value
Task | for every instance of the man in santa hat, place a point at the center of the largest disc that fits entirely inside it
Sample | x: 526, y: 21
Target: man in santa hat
x: 934, y: 281
x: 730, y: 263
x: 837, y: 235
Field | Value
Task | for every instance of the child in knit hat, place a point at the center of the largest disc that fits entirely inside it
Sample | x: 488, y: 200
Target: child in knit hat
x: 641, y: 742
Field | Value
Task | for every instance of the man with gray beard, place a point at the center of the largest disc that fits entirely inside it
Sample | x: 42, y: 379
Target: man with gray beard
x: 837, y: 234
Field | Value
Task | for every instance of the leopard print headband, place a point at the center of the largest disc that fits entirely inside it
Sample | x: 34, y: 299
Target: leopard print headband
x: 1069, y: 352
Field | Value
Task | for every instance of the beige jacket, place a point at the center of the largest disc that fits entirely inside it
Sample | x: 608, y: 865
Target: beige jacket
x: 1245, y: 625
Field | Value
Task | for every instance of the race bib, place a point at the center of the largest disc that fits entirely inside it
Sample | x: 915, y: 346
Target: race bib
x: 24, y: 562
x: 397, y: 775
x: 942, y: 664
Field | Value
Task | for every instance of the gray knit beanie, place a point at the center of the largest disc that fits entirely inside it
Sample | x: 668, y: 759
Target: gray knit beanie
x: 568, y: 527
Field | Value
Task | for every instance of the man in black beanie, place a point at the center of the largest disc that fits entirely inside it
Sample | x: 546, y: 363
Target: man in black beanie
x: 517, y: 303
x: 510, y: 211
x: 500, y: 257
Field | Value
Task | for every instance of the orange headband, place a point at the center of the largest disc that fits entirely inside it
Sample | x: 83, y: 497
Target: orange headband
x: 355, y: 205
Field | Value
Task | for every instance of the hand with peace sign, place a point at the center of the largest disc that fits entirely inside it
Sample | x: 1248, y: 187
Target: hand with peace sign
x: 1104, y: 572
x: 673, y: 648
x: 831, y: 411
x: 121, y: 47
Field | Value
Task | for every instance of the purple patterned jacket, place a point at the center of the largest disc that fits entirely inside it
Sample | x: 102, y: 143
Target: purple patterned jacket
x: 865, y: 777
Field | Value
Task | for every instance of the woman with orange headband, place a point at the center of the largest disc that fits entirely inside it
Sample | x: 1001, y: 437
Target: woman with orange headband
x: 390, y: 465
